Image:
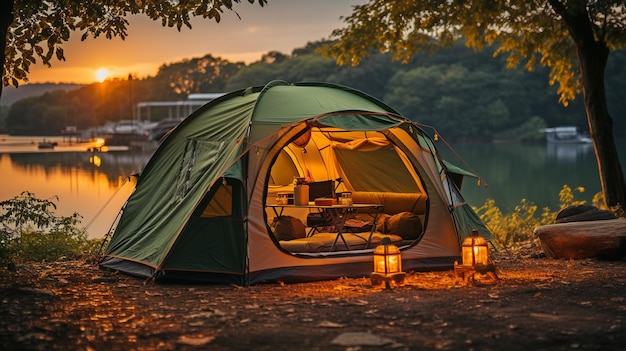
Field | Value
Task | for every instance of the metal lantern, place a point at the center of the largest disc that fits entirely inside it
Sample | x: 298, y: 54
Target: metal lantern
x: 475, y: 258
x: 474, y: 250
x: 387, y: 264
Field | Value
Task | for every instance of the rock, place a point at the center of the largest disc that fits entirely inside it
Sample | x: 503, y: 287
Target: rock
x: 579, y: 213
x: 604, y: 239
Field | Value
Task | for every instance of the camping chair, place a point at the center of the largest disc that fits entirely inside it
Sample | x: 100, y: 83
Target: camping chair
x: 318, y: 220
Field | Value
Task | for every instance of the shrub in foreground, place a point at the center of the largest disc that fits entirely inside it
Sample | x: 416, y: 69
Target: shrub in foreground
x: 519, y: 225
x: 31, y: 231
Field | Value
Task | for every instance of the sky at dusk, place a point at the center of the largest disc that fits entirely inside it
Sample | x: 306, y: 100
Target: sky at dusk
x: 281, y: 25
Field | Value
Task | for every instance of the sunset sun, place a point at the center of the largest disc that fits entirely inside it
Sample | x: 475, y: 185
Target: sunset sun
x: 102, y: 74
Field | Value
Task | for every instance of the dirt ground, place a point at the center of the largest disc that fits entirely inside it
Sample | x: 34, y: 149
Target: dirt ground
x: 537, y: 304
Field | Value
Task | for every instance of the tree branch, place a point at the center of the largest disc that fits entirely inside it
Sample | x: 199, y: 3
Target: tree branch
x: 6, y: 18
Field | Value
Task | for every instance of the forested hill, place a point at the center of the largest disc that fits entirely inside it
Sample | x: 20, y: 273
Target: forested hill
x: 10, y: 94
x: 462, y: 93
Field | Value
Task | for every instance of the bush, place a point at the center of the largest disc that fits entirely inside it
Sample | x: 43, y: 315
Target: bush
x: 49, y: 246
x: 30, y: 231
x: 519, y: 225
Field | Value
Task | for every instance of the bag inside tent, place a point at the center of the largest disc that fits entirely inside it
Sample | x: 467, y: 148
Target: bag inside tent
x: 366, y: 164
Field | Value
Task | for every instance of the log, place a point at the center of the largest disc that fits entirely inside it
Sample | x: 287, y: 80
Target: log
x: 605, y: 239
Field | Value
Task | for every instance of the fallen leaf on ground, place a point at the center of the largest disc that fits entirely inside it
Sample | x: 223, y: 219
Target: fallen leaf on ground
x: 195, y: 341
x: 328, y: 324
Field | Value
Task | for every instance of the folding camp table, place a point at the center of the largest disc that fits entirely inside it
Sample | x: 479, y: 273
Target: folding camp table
x: 337, y: 215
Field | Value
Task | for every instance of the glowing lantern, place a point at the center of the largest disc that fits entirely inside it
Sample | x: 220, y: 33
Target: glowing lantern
x: 387, y: 264
x: 474, y: 250
x: 475, y: 255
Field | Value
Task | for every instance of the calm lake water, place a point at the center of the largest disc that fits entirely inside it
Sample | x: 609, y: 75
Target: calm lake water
x: 535, y: 172
x: 95, y: 184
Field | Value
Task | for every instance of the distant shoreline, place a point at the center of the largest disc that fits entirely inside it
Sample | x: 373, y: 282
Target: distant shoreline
x: 30, y: 143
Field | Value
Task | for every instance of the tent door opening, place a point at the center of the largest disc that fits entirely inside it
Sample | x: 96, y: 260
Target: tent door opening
x: 387, y: 196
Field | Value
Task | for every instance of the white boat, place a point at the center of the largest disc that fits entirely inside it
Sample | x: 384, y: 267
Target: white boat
x: 125, y: 127
x: 565, y: 135
x: 131, y: 126
x: 164, y: 127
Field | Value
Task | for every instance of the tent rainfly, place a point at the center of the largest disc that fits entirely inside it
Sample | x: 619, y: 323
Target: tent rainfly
x: 204, y: 207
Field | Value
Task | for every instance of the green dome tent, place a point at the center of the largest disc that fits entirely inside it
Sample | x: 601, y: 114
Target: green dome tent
x: 202, y: 207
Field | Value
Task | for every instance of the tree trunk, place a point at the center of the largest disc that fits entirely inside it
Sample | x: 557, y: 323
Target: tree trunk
x: 592, y: 57
x: 592, y: 65
x: 6, y: 18
x: 604, y: 239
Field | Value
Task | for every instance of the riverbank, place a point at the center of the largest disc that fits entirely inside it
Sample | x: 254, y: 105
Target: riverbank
x: 537, y: 304
x: 36, y: 144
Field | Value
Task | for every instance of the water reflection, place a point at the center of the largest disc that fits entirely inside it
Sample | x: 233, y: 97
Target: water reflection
x: 113, y: 166
x: 535, y: 172
x: 568, y: 153
x: 95, y: 185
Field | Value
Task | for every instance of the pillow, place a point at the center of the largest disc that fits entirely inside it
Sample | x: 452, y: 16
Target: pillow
x: 404, y: 224
x: 288, y: 228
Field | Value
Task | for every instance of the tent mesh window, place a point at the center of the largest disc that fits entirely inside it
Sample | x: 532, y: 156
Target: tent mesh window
x: 198, y: 156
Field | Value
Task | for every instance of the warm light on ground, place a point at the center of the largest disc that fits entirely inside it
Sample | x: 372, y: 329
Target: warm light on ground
x: 102, y: 74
